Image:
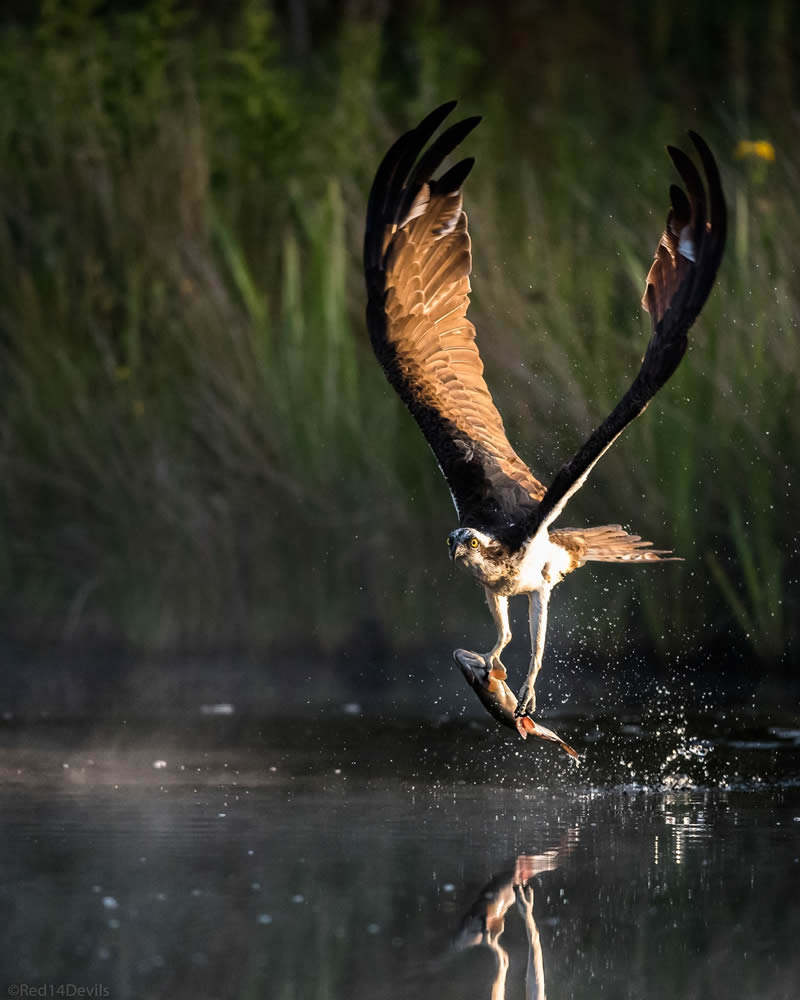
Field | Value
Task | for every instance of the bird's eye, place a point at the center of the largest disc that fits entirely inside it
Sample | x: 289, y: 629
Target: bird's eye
x: 474, y: 543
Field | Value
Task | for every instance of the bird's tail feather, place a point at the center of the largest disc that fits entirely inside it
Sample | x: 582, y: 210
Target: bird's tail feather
x: 611, y: 543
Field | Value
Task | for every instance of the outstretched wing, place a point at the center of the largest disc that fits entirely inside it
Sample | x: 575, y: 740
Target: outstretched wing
x: 417, y: 262
x: 678, y: 284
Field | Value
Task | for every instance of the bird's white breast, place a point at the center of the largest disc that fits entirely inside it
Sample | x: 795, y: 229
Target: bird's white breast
x: 543, y: 563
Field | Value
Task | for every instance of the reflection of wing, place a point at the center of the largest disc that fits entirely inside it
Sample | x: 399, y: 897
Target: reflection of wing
x: 683, y: 272
x: 417, y: 261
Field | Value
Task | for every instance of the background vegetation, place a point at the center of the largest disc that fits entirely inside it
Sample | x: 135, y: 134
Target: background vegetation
x: 196, y: 444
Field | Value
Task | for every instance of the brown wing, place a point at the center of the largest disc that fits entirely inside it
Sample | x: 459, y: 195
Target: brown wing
x: 417, y: 262
x: 678, y: 284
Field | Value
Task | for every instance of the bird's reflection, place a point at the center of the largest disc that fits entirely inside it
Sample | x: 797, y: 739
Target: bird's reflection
x: 485, y: 921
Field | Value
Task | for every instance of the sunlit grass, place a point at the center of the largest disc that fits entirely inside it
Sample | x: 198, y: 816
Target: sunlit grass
x: 197, y: 442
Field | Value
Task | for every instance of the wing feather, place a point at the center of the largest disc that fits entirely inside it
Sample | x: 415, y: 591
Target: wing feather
x: 417, y: 259
x: 679, y: 281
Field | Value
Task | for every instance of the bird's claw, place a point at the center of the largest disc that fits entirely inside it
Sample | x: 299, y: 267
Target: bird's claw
x: 524, y: 897
x: 526, y: 702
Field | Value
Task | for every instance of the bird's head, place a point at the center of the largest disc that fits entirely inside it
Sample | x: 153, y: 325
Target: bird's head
x: 476, y: 551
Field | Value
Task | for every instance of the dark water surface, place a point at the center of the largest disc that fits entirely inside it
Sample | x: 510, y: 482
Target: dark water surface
x: 357, y: 859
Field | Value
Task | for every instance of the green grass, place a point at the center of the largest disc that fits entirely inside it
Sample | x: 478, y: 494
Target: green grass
x: 197, y: 444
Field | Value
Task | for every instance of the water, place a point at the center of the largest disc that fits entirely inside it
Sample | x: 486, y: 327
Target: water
x: 358, y: 859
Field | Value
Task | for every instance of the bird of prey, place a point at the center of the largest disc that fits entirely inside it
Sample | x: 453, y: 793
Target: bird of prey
x: 417, y: 261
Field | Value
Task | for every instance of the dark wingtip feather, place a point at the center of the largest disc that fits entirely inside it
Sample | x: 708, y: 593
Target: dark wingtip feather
x: 681, y: 160
x: 391, y: 175
x: 699, y: 141
x: 707, y: 158
x: 718, y: 209
x: 455, y: 176
x: 430, y: 161
x: 437, y: 116
x: 687, y: 170
x: 680, y: 203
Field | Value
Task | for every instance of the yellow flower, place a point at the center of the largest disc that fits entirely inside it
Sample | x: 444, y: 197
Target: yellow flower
x: 761, y: 149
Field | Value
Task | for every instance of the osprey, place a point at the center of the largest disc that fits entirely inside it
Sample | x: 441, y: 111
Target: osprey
x: 417, y: 262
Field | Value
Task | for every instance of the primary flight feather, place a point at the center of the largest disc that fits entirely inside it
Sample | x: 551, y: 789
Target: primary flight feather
x: 417, y: 261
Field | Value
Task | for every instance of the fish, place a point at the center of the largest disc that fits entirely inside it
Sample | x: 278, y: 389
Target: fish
x: 489, y: 683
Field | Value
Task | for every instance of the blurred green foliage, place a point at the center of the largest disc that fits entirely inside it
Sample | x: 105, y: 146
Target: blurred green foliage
x: 197, y: 445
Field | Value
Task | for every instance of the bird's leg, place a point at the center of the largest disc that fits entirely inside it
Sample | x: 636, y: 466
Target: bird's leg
x: 537, y: 610
x: 534, y: 974
x: 499, y: 608
x: 501, y: 958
